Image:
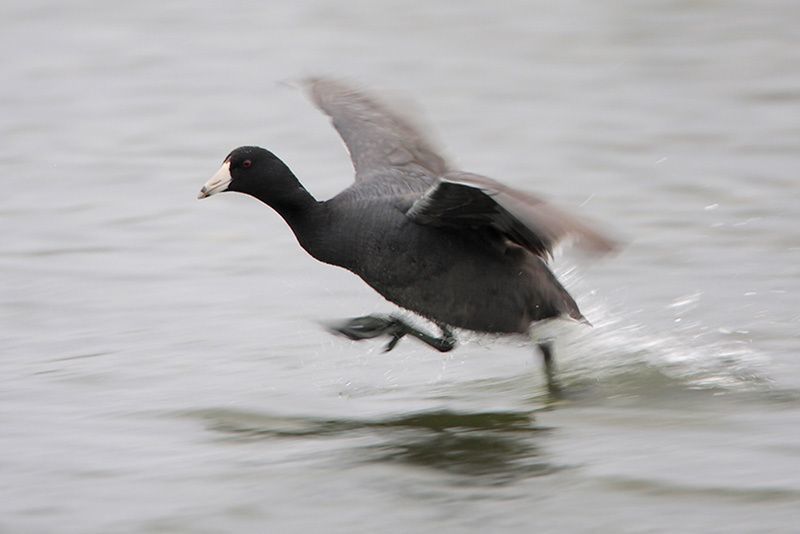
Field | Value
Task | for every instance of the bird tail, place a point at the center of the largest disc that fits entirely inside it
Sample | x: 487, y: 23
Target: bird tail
x: 578, y: 317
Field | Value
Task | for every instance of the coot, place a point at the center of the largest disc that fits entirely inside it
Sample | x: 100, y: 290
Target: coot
x: 459, y: 249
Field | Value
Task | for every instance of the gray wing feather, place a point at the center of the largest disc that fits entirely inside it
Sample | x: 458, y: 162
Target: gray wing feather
x: 461, y: 199
x: 376, y: 137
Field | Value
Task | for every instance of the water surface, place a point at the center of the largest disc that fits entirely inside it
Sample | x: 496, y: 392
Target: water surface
x: 163, y: 369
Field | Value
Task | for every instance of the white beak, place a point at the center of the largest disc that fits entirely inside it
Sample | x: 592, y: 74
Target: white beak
x: 218, y: 183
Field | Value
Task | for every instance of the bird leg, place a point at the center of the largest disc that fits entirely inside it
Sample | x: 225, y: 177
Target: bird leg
x: 372, y: 326
x: 549, y: 366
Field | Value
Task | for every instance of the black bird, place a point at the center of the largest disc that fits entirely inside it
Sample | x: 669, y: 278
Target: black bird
x: 456, y: 248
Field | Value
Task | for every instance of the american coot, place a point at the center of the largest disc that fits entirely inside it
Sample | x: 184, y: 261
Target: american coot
x: 456, y: 248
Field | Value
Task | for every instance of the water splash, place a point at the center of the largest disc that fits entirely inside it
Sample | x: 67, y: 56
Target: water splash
x: 691, y: 355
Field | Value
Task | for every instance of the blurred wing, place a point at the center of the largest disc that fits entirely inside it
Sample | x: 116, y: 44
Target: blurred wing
x: 465, y: 200
x: 376, y: 137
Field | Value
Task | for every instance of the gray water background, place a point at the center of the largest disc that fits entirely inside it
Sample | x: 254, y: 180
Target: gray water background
x: 162, y: 365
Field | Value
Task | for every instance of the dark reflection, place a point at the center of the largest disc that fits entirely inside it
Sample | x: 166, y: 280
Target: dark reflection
x: 491, y: 447
x: 447, y: 420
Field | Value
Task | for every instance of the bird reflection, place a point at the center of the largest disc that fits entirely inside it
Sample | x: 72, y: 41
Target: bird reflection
x: 489, y: 448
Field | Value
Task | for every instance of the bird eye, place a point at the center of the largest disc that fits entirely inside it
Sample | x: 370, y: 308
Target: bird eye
x: 246, y: 164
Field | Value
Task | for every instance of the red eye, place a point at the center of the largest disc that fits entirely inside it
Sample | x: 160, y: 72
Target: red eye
x: 246, y: 164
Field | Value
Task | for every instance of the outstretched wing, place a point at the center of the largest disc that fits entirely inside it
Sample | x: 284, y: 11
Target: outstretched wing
x: 376, y: 137
x: 465, y: 200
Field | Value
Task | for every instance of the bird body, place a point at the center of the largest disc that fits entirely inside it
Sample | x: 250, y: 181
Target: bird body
x: 456, y: 248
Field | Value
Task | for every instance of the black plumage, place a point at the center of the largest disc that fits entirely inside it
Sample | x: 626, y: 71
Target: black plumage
x: 457, y: 248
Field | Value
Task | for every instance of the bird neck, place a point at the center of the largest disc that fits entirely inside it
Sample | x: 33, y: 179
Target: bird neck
x: 291, y: 204
x: 304, y: 214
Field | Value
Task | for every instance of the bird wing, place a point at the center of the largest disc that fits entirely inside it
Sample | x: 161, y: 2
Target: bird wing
x: 377, y: 138
x: 466, y: 200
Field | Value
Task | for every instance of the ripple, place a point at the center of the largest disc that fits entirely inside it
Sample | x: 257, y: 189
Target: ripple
x: 659, y: 488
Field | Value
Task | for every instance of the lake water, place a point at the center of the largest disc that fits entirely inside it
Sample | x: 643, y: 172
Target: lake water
x: 163, y: 366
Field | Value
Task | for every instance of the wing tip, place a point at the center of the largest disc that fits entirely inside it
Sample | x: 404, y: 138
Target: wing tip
x: 594, y: 242
x: 322, y: 89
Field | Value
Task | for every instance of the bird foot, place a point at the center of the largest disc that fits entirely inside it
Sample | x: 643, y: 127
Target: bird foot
x: 372, y: 326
